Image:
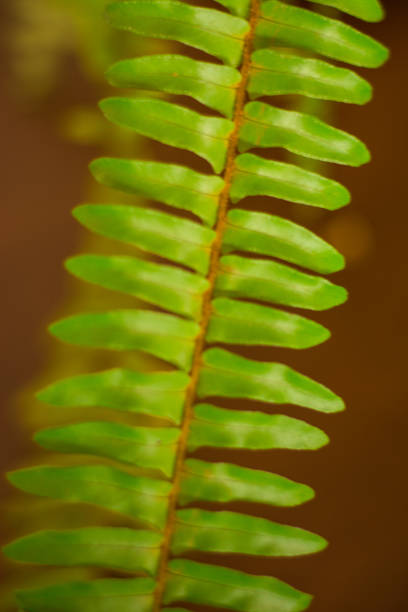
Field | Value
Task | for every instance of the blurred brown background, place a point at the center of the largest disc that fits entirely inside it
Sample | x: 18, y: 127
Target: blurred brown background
x: 360, y: 479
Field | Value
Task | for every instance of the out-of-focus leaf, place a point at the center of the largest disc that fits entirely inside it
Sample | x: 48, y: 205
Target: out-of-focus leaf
x: 109, y: 547
x: 106, y: 595
x: 139, y: 498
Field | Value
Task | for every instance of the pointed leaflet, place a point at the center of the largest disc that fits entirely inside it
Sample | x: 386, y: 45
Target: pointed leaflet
x: 229, y: 375
x: 173, y: 125
x: 276, y: 73
x: 222, y: 587
x: 159, y: 334
x: 266, y: 234
x: 226, y: 482
x: 171, y: 288
x: 108, y: 547
x: 269, y: 126
x: 269, y: 281
x: 218, y: 427
x: 153, y: 448
x: 230, y: 532
x: 237, y: 322
x: 211, y: 84
x: 158, y: 394
x: 178, y: 240
x: 257, y: 176
x: 106, y: 595
x: 210, y: 30
x: 139, y: 498
x: 295, y: 27
x: 168, y: 183
x: 369, y: 10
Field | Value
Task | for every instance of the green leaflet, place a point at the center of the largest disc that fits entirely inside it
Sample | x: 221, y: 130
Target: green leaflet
x: 265, y: 234
x: 295, y: 27
x: 226, y: 588
x: 158, y: 394
x: 211, y: 84
x: 210, y: 30
x: 160, y: 334
x: 229, y: 375
x: 173, y: 125
x: 230, y: 532
x: 139, y: 498
x: 274, y: 73
x: 109, y: 547
x: 237, y: 322
x: 176, y: 290
x: 168, y: 183
x: 218, y: 427
x: 176, y: 239
x: 269, y: 126
x: 225, y: 482
x: 257, y: 176
x: 370, y: 10
x: 146, y: 447
x: 269, y: 281
x: 107, y: 595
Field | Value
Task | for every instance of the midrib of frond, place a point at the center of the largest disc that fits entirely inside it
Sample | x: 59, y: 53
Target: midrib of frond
x: 206, y: 310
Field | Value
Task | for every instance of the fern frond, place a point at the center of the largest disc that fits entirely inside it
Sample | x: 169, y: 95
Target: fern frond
x: 225, y: 293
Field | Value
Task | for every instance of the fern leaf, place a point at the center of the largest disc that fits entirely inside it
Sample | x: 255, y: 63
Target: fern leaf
x: 216, y: 33
x: 148, y: 447
x: 220, y: 284
x: 265, y: 234
x: 302, y: 29
x: 173, y: 185
x: 257, y: 176
x: 160, y: 394
x: 230, y: 532
x: 178, y: 240
x: 222, y: 587
x: 113, y: 548
x: 276, y: 73
x: 211, y: 84
x: 140, y: 498
x: 370, y: 10
x: 217, y: 427
x: 100, y: 595
x: 226, y: 482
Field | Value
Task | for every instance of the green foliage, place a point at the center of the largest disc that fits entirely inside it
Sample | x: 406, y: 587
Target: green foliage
x: 145, y: 474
